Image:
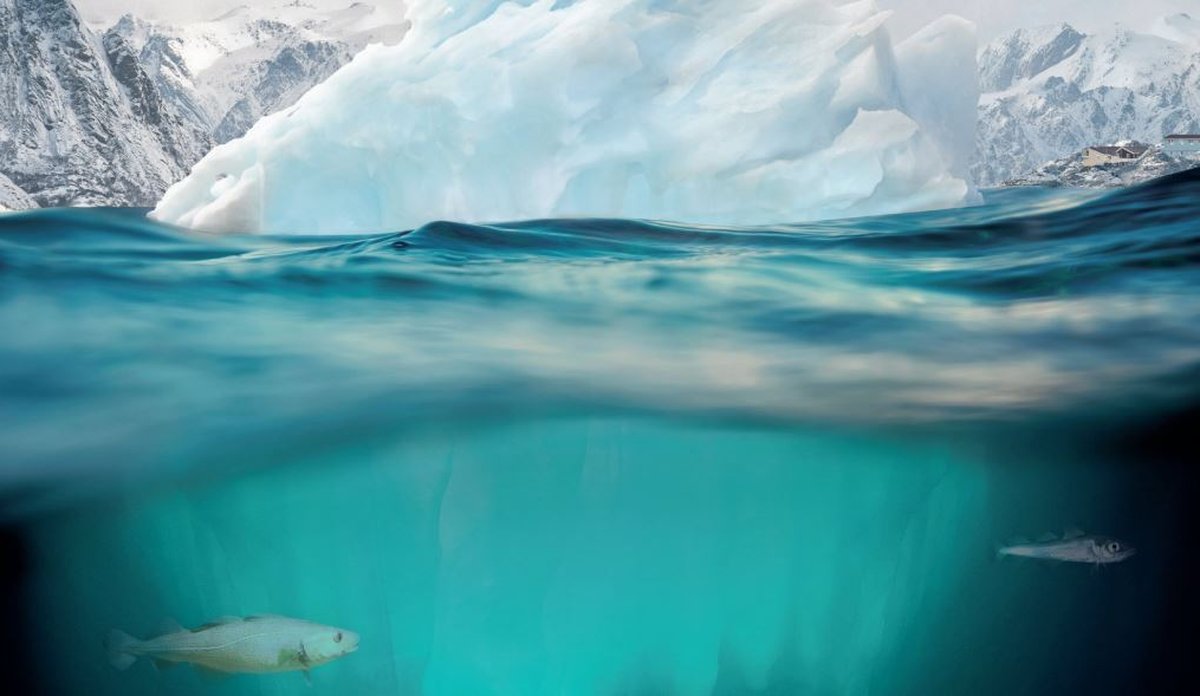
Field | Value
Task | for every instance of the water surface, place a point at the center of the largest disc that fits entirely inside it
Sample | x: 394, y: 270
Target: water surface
x: 610, y: 456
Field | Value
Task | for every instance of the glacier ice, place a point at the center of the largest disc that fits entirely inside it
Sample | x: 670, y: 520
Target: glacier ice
x: 709, y: 112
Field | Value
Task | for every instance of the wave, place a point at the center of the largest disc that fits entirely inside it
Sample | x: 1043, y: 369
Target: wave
x: 1012, y: 218
x: 1040, y: 303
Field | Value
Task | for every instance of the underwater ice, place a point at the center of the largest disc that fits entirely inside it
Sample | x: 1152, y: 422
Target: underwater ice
x: 712, y: 112
x: 546, y: 557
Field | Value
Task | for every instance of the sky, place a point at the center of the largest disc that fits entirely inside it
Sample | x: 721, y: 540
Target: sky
x: 992, y: 16
x: 998, y: 16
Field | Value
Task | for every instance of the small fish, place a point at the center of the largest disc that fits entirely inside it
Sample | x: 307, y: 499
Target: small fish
x: 1074, y: 548
x: 256, y: 644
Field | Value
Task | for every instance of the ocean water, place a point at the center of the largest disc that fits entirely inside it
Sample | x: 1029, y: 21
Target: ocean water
x: 608, y: 456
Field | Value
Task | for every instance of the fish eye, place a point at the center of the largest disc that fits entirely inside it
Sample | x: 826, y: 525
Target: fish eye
x: 1113, y: 547
x: 338, y: 637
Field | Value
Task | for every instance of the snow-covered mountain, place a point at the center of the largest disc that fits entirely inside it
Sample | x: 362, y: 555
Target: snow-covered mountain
x: 115, y: 115
x: 81, y: 123
x: 1050, y: 92
x: 230, y: 71
x: 12, y: 197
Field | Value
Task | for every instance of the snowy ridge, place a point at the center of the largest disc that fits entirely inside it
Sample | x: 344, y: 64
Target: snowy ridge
x: 1050, y: 92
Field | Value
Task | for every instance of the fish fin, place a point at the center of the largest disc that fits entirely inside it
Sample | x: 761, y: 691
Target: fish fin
x: 118, y: 644
x: 307, y: 677
x: 1046, y: 537
x: 209, y: 673
x: 163, y: 664
x: 219, y: 621
x: 169, y: 626
x: 260, y: 617
x: 1073, y: 533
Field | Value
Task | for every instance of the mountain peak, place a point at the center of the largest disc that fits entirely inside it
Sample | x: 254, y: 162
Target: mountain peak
x: 1025, y: 53
x: 1046, y: 32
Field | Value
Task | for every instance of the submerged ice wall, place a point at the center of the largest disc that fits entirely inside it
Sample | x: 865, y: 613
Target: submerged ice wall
x: 538, y: 558
x: 720, y: 112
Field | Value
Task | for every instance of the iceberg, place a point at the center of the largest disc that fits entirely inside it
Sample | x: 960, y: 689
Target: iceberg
x: 737, y: 113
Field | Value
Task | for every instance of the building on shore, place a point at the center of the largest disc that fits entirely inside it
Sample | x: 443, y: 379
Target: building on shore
x: 1112, y: 154
x: 1181, y: 145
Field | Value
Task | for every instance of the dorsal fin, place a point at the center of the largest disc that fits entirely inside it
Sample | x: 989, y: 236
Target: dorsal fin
x: 1046, y: 537
x: 169, y: 626
x: 219, y: 621
x: 1073, y: 533
x: 260, y: 617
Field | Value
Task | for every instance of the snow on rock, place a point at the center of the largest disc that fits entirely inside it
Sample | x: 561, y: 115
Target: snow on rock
x: 1071, y: 171
x: 232, y: 70
x: 706, y: 112
x: 13, y: 198
x: 81, y: 124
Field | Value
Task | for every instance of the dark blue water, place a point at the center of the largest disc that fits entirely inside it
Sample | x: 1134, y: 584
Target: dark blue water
x: 608, y: 456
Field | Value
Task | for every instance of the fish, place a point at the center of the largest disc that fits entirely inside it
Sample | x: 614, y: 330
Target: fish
x: 259, y: 644
x: 1073, y: 547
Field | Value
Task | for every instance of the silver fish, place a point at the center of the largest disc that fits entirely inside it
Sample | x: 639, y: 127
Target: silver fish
x: 256, y: 644
x: 1073, y: 548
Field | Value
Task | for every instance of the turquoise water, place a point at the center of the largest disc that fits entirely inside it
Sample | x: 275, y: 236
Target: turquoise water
x: 610, y: 457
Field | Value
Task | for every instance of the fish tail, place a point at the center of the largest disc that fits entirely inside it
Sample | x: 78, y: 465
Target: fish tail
x: 118, y: 644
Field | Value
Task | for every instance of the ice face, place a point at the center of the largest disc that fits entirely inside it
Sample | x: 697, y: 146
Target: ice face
x: 712, y: 112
